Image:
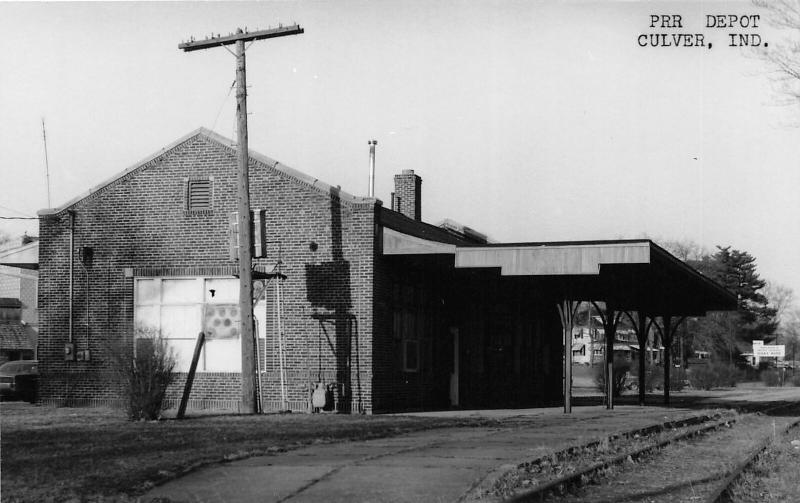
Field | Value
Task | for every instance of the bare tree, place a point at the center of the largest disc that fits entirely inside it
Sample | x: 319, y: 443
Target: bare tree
x: 791, y: 330
x: 684, y: 249
x: 781, y: 298
x: 784, y: 56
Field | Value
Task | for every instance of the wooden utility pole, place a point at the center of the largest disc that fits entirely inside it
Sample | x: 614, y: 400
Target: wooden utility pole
x: 245, y: 239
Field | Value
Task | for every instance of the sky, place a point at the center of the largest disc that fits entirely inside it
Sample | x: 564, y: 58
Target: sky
x: 528, y: 121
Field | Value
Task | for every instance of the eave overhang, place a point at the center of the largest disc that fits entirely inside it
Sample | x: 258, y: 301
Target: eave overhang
x: 630, y: 274
x: 22, y: 257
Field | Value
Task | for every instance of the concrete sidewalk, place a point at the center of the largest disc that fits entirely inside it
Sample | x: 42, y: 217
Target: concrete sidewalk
x: 435, y: 465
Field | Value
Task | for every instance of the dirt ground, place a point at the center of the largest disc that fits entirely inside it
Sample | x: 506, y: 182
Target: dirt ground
x: 60, y: 454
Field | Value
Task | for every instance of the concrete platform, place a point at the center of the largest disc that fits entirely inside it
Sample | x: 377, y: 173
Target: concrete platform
x: 433, y: 465
x: 436, y: 465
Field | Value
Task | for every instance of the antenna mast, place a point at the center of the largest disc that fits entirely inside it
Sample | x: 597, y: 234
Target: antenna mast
x: 46, y: 163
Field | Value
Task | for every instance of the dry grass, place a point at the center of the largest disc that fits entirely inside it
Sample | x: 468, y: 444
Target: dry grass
x: 548, y: 468
x: 62, y: 454
x: 775, y: 474
x: 693, y: 459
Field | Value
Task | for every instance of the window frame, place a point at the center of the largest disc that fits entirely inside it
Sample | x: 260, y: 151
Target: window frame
x: 416, y: 344
x: 202, y: 301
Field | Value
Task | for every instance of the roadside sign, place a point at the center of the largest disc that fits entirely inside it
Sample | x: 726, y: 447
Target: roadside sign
x: 778, y: 351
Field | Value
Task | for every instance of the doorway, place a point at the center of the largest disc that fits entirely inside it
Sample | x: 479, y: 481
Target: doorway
x: 454, y: 399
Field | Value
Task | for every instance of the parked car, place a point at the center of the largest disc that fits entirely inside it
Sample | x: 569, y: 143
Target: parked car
x: 19, y: 379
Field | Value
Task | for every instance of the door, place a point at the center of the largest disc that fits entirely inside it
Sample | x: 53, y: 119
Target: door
x: 454, y: 372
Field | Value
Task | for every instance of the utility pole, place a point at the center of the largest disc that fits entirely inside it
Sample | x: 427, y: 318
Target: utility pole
x: 243, y: 195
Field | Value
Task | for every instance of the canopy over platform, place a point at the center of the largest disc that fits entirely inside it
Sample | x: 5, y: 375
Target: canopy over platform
x: 23, y: 257
x: 635, y: 275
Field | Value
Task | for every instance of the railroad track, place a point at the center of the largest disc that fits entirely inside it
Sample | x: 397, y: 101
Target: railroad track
x: 723, y: 491
x: 577, y: 474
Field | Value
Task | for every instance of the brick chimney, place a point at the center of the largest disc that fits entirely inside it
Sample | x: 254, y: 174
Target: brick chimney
x: 407, y: 196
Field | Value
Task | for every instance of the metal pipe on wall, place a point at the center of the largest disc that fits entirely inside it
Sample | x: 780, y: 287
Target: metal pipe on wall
x: 71, y: 269
x: 85, y: 256
x: 281, y: 358
x: 372, y: 144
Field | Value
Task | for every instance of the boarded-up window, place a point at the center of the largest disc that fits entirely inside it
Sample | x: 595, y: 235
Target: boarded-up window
x: 179, y: 308
x: 199, y: 194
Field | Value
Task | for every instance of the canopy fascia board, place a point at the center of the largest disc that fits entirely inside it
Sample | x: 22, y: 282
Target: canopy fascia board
x: 587, y: 262
x: 524, y: 260
x: 553, y: 260
x: 23, y: 257
x: 398, y: 243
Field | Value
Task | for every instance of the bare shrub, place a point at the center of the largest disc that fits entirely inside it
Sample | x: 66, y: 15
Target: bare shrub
x: 677, y: 379
x: 653, y: 376
x: 145, y: 373
x: 702, y: 377
x: 621, y: 370
x: 714, y: 375
x: 771, y: 377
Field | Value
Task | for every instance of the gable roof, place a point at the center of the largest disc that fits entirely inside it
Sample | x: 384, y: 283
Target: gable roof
x: 14, y: 335
x: 256, y: 159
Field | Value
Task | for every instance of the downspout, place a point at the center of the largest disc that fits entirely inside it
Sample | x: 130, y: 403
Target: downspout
x: 85, y: 256
x: 71, y: 269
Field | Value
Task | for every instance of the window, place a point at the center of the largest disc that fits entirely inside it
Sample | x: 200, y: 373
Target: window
x: 179, y: 308
x: 410, y: 355
x: 408, y: 325
x: 199, y: 194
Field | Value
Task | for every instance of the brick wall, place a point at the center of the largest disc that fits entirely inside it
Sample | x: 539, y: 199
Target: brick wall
x: 408, y: 194
x: 9, y: 282
x: 324, y: 239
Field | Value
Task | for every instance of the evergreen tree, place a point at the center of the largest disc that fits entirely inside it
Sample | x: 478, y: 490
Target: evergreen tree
x: 736, y: 271
x: 730, y: 333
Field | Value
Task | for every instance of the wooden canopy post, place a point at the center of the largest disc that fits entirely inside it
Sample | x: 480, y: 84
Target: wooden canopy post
x: 610, y: 318
x: 642, y: 328
x: 566, y: 311
x: 667, y: 331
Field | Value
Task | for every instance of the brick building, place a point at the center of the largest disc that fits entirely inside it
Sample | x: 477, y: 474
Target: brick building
x: 19, y: 319
x: 384, y: 310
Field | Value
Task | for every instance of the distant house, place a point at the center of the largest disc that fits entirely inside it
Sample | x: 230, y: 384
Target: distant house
x: 19, y: 319
x: 588, y: 344
x: 380, y: 309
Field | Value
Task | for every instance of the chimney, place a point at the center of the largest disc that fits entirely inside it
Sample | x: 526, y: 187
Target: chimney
x: 408, y: 194
x: 372, y: 144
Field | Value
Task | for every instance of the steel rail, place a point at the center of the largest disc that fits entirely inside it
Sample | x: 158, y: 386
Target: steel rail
x: 575, y: 478
x: 643, y: 431
x: 722, y: 492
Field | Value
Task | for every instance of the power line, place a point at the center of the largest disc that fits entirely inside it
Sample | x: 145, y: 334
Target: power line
x: 223, y: 105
